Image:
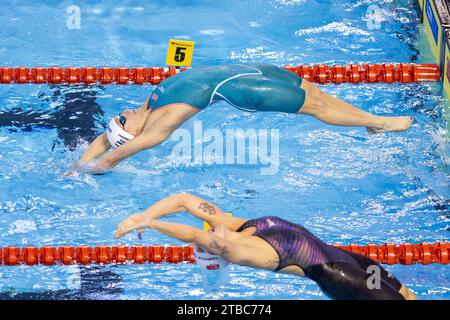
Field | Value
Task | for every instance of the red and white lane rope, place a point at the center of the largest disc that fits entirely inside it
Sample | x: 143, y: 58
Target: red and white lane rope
x: 407, y: 254
x: 353, y: 73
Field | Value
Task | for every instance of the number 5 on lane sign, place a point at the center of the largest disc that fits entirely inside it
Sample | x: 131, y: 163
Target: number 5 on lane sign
x: 179, y: 53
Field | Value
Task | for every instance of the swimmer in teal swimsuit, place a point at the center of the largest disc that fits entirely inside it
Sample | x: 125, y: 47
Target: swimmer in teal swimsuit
x: 247, y: 87
x: 270, y: 243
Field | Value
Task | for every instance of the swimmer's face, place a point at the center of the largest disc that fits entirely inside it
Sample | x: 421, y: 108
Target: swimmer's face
x: 133, y: 120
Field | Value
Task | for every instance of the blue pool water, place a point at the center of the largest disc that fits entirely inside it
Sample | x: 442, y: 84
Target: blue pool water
x: 344, y: 185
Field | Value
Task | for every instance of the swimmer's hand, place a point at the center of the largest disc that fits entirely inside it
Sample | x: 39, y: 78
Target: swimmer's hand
x: 74, y: 169
x: 91, y: 167
x: 137, y: 222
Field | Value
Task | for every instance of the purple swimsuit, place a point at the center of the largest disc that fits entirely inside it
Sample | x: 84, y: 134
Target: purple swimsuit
x: 294, y: 244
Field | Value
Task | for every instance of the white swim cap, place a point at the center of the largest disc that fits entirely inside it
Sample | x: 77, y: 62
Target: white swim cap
x: 116, y: 135
x: 209, y: 261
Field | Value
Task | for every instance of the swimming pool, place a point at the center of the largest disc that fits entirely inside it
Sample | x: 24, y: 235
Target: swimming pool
x: 342, y: 184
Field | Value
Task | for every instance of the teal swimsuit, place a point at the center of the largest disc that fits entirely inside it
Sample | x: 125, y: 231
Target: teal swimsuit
x: 249, y: 87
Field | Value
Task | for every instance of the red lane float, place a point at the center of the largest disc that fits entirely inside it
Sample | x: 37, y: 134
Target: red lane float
x: 368, y: 73
x: 424, y: 253
x: 13, y: 256
x: 353, y: 73
x: 86, y: 75
x: 406, y: 253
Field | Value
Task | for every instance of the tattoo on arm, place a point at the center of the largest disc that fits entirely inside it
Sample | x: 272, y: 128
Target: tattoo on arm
x: 207, y: 208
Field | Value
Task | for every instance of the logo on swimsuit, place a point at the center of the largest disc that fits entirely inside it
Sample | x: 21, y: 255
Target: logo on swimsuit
x: 154, y: 97
x: 236, y: 146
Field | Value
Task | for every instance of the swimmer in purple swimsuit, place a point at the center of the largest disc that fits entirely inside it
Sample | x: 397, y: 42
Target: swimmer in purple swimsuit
x: 273, y: 244
x: 248, y: 87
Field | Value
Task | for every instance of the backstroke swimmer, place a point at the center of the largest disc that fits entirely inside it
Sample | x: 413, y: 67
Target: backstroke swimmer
x: 249, y: 87
x: 269, y: 243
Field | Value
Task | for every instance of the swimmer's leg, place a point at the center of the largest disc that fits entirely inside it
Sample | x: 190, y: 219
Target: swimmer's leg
x: 345, y: 281
x: 365, y: 262
x: 334, y: 111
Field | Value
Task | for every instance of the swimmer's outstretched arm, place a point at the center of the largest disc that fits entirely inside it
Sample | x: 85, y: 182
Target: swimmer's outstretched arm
x: 228, y: 250
x: 146, y: 140
x: 149, y: 138
x: 98, y: 147
x: 182, y: 202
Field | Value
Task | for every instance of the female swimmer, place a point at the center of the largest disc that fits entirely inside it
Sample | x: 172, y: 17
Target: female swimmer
x: 273, y: 244
x: 249, y: 87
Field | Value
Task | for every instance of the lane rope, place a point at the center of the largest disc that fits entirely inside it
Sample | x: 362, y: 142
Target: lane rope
x: 406, y: 254
x: 323, y: 74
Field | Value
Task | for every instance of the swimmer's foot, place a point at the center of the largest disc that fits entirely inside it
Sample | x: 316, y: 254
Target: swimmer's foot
x: 391, y: 124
